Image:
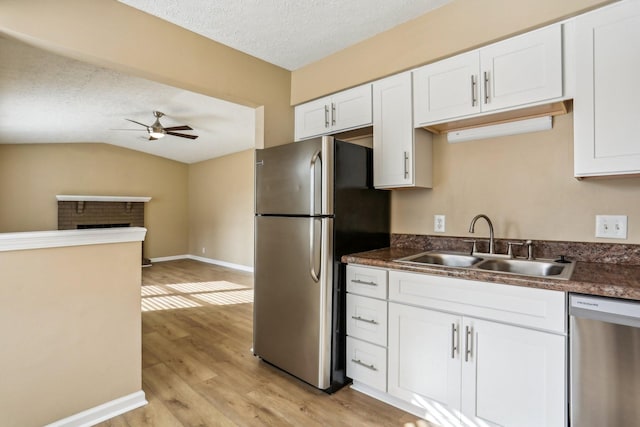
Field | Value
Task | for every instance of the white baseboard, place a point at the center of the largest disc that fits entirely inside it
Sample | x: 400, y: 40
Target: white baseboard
x: 207, y: 260
x: 169, y: 258
x: 103, y: 412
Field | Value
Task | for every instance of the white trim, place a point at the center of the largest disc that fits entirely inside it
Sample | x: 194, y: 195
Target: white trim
x: 79, y: 198
x: 169, y: 258
x: 60, y: 238
x: 231, y: 265
x: 103, y: 412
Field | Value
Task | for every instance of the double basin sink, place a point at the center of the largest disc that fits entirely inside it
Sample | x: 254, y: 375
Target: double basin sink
x: 495, y: 263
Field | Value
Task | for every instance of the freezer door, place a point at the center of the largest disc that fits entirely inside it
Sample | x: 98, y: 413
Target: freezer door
x: 295, y: 179
x: 292, y: 296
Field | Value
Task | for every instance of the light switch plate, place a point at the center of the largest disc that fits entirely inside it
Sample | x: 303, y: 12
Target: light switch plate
x: 438, y: 223
x: 611, y: 226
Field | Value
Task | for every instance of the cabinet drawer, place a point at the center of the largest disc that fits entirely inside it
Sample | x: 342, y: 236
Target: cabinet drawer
x: 530, y: 307
x: 367, y: 363
x: 371, y: 282
x: 367, y: 319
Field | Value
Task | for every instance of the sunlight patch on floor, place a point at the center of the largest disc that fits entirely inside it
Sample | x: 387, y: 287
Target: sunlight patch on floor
x: 167, y: 303
x: 194, y: 294
x: 151, y: 290
x: 220, y: 285
x: 226, y: 298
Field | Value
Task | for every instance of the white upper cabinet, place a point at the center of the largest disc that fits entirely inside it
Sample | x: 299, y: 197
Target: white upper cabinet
x: 447, y: 88
x: 518, y: 72
x: 607, y: 100
x: 349, y: 109
x: 401, y: 154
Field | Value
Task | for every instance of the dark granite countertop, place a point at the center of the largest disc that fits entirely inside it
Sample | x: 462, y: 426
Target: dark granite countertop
x: 594, y: 278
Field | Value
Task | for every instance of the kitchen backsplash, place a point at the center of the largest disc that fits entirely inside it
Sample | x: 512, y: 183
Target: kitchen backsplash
x: 612, y: 253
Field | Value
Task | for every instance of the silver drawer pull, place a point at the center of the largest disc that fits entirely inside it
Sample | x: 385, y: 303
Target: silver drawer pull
x: 361, y: 363
x: 362, y: 282
x: 362, y: 319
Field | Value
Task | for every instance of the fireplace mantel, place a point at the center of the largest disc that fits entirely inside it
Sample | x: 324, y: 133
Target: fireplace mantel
x: 79, y: 198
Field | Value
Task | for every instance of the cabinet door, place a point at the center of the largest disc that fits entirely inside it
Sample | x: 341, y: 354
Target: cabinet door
x: 351, y: 108
x: 393, y: 147
x: 606, y: 105
x: 513, y: 376
x: 446, y: 89
x: 312, y: 119
x: 522, y: 70
x: 424, y: 360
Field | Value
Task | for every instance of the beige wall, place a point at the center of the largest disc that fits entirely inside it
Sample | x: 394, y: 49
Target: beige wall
x: 221, y: 208
x: 524, y: 183
x: 70, y: 328
x: 458, y: 26
x: 33, y: 174
x: 111, y: 34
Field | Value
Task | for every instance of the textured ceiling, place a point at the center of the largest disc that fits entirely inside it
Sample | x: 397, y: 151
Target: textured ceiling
x: 288, y: 33
x: 46, y: 98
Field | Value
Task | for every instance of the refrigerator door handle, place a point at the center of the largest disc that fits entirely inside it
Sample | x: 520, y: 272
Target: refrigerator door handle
x: 312, y: 181
x: 315, y: 275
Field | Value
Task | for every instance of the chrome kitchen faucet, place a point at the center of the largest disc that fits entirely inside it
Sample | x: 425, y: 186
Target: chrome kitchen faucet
x: 472, y: 227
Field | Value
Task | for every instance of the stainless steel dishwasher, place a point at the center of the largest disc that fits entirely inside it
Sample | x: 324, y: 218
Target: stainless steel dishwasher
x: 604, y: 361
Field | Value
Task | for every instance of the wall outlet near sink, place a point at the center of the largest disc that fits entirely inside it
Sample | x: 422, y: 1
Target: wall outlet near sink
x: 438, y: 223
x: 611, y: 226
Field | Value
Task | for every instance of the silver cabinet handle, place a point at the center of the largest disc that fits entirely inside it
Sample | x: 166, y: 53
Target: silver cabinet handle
x: 333, y: 113
x: 406, y: 166
x: 326, y: 116
x: 362, y: 282
x: 361, y: 363
x: 454, y: 341
x: 486, y: 87
x: 474, y: 91
x: 362, y: 319
x: 467, y: 343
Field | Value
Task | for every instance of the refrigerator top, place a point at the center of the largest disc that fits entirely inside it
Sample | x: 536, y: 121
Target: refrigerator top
x: 295, y: 179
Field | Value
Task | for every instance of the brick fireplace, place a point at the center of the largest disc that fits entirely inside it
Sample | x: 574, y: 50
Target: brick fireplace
x: 79, y: 212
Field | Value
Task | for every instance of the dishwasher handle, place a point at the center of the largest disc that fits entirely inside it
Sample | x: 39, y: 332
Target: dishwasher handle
x: 609, y: 310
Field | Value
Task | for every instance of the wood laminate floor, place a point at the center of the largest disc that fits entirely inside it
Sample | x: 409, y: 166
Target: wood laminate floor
x: 198, y: 369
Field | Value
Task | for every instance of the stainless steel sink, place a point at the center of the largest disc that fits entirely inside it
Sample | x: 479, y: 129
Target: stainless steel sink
x: 526, y: 268
x: 494, y: 263
x: 448, y: 259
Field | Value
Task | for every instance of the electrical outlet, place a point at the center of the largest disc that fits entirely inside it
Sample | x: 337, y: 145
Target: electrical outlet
x: 438, y: 223
x: 611, y: 226
x: 204, y: 250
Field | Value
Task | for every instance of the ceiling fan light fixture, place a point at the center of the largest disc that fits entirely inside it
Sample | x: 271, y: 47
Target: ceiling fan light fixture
x: 156, y: 134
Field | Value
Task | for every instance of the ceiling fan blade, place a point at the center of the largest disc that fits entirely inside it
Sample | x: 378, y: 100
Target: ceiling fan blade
x: 172, y: 128
x: 152, y: 138
x: 182, y: 135
x: 142, y: 124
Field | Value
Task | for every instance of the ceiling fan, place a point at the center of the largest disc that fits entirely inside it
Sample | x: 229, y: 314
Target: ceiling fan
x: 157, y: 131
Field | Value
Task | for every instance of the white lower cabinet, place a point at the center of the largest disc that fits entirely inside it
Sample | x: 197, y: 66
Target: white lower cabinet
x: 424, y: 357
x: 464, y: 353
x: 464, y: 371
x: 513, y: 376
x: 367, y: 327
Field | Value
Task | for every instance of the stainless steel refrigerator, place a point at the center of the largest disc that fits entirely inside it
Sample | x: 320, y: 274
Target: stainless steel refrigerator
x: 314, y: 202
